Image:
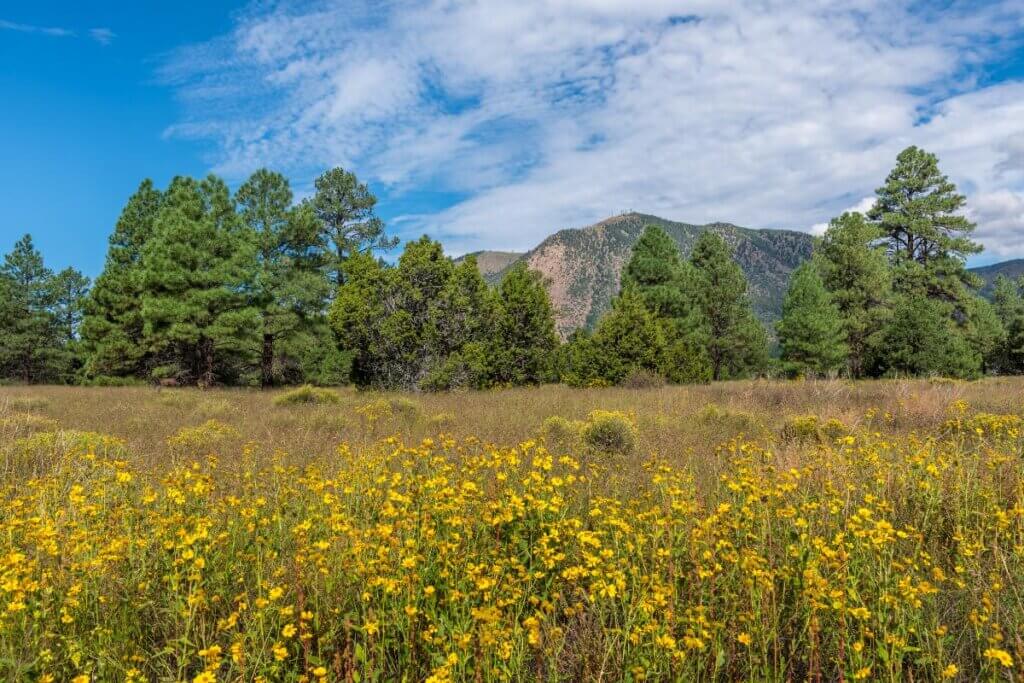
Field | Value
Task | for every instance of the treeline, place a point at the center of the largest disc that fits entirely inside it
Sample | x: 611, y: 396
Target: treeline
x: 202, y: 286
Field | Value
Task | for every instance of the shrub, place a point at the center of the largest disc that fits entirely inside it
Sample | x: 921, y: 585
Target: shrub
x: 643, y: 379
x: 723, y: 419
x: 610, y: 432
x: 559, y: 433
x: 801, y: 428
x: 307, y: 394
x: 202, y: 439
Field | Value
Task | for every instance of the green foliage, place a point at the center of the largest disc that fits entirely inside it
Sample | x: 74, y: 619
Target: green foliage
x: 628, y: 339
x: 307, y: 394
x: 525, y: 344
x: 561, y: 434
x: 345, y: 210
x: 922, y: 340
x: 610, y: 432
x: 1008, y: 303
x: 198, y: 273
x: 811, y: 332
x: 112, y: 329
x: 39, y: 316
x: 737, y: 342
x: 855, y: 271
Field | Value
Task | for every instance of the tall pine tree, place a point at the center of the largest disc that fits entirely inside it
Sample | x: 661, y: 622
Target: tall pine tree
x: 737, y: 341
x: 198, y: 284
x: 666, y: 285
x: 30, y: 349
x: 811, y: 334
x: 525, y: 346
x: 855, y: 271
x: 112, y: 328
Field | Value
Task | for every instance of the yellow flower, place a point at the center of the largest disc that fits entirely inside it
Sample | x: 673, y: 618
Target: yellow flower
x: 205, y: 677
x: 320, y: 672
x: 288, y: 631
x: 1001, y: 656
x: 744, y: 638
x: 950, y: 671
x: 280, y: 652
x: 81, y: 678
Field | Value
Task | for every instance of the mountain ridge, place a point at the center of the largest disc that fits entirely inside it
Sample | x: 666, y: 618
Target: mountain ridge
x: 582, y: 265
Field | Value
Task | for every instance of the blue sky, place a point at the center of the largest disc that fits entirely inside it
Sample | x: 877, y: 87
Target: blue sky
x: 491, y: 124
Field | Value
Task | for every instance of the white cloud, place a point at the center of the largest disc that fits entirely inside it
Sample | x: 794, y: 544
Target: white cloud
x: 103, y: 36
x: 549, y: 114
x: 42, y: 30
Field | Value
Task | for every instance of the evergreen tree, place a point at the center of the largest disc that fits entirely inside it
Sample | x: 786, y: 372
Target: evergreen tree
x: 1008, y: 302
x: 525, y: 340
x: 198, y: 274
x: 627, y: 339
x: 922, y: 340
x: 811, y: 331
x: 855, y: 271
x: 928, y: 240
x: 112, y: 328
x: 361, y: 317
x: 345, y: 208
x: 67, y: 296
x: 291, y: 289
x: 984, y: 332
x: 666, y: 285
x: 29, y: 346
x: 578, y: 361
x: 737, y: 342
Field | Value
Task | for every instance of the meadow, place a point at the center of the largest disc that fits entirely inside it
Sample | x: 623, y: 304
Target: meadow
x: 762, y: 531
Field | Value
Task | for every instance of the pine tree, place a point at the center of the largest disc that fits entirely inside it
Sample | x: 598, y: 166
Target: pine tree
x: 922, y: 340
x: 291, y: 289
x: 112, y: 334
x: 525, y: 340
x: 928, y: 240
x: 811, y: 333
x: 627, y: 339
x: 67, y: 296
x: 855, y: 271
x: 737, y: 342
x: 666, y: 285
x: 198, y: 272
x: 30, y: 349
x: 1008, y: 302
x: 345, y: 208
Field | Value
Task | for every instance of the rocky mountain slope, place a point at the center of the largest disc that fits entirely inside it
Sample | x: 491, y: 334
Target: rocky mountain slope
x: 582, y: 265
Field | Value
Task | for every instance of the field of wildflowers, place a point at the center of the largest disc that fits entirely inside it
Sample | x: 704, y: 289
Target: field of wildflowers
x: 800, y: 547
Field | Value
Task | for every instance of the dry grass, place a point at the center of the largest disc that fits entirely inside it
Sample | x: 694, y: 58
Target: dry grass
x: 681, y: 424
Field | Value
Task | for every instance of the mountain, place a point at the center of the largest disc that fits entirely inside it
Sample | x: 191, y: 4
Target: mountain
x: 582, y: 265
x: 1011, y: 269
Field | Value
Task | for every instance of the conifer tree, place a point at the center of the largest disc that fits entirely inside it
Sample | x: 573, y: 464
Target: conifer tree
x: 345, y: 208
x: 112, y: 328
x: 1008, y: 302
x: 291, y: 289
x: 67, y: 296
x: 29, y: 343
x: 627, y: 339
x: 198, y: 273
x: 928, y: 240
x: 922, y: 340
x: 811, y: 333
x: 737, y: 342
x: 666, y: 285
x: 856, y: 273
x: 525, y: 340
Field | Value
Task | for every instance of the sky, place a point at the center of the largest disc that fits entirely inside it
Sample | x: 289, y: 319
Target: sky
x: 490, y: 124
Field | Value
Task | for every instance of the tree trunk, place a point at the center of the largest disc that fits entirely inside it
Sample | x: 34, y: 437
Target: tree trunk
x: 206, y: 349
x: 267, y: 362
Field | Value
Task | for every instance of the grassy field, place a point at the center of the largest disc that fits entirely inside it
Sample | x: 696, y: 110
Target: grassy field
x: 740, y: 531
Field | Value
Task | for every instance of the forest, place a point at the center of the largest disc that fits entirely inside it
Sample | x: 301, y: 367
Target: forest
x: 204, y: 286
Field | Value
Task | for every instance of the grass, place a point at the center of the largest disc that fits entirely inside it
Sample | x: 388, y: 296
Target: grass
x: 752, y: 530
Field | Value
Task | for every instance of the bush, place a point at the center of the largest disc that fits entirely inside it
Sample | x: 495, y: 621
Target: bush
x: 404, y: 409
x: 610, y: 432
x: 560, y: 433
x: 732, y: 420
x: 203, y: 439
x: 643, y: 379
x: 442, y: 421
x: 307, y: 394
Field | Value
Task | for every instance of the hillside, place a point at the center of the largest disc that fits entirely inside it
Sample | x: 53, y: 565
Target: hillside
x: 1011, y: 269
x: 582, y: 265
